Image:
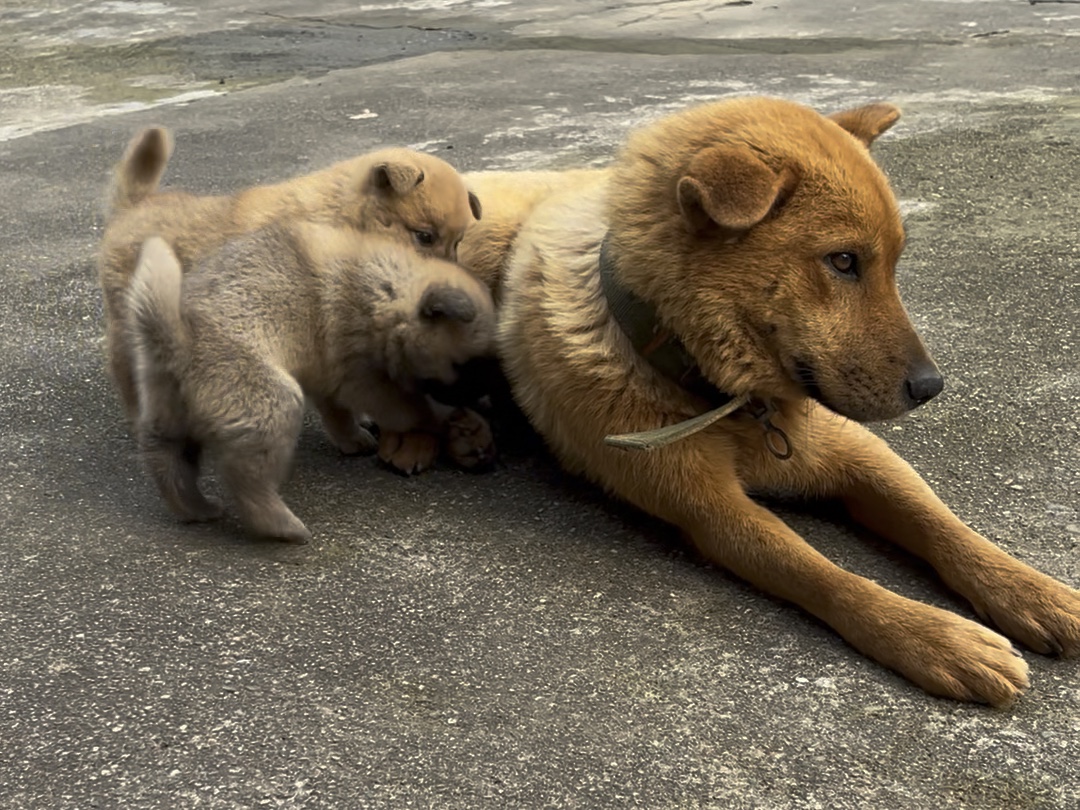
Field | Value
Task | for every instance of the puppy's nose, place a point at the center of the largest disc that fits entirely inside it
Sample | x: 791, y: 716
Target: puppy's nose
x: 923, y: 383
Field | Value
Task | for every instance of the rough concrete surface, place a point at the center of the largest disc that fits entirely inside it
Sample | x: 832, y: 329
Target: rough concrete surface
x: 516, y: 639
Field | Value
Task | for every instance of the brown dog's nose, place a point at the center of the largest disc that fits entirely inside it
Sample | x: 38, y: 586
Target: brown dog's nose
x: 923, y: 383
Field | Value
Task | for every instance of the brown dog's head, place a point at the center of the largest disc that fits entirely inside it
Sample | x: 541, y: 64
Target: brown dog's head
x: 412, y: 197
x: 768, y: 240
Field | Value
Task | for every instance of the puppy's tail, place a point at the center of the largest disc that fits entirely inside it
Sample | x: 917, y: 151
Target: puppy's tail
x: 161, y: 340
x: 139, y: 171
x: 157, y: 330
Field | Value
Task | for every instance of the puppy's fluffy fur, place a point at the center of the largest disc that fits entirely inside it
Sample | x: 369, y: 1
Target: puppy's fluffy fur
x: 226, y: 353
x: 766, y: 239
x: 407, y: 196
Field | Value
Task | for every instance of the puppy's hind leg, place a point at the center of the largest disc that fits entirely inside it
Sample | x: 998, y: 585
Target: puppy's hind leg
x: 256, y: 453
x: 121, y: 366
x: 170, y: 454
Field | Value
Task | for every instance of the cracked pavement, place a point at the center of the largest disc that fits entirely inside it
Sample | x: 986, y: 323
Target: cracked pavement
x: 516, y: 638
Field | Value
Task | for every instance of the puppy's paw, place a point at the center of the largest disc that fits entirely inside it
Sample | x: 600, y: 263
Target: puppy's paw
x: 202, y: 510
x: 947, y: 655
x: 408, y: 453
x: 1036, y: 610
x: 342, y: 428
x: 359, y: 443
x: 277, y: 523
x: 468, y: 440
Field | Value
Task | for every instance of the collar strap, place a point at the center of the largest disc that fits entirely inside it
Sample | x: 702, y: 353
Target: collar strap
x: 654, y: 342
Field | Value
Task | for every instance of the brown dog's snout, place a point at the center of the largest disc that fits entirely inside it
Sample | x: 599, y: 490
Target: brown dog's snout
x: 923, y: 383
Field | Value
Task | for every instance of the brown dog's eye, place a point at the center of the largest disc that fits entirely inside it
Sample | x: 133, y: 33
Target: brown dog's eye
x: 846, y: 264
x: 424, y: 238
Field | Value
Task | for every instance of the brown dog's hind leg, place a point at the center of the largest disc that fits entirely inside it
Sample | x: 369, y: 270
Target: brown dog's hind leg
x: 887, y: 496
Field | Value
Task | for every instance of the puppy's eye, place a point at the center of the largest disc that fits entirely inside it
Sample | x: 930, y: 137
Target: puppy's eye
x: 424, y: 238
x: 846, y: 264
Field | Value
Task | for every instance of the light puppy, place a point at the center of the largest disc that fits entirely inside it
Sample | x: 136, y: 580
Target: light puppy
x: 744, y: 252
x: 225, y: 354
x: 407, y: 196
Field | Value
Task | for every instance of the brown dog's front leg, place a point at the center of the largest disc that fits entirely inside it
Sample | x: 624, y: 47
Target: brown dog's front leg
x: 943, y: 653
x: 886, y: 495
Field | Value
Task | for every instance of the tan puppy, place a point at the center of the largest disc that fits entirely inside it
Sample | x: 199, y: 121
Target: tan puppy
x: 226, y: 353
x: 413, y: 198
x: 749, y: 251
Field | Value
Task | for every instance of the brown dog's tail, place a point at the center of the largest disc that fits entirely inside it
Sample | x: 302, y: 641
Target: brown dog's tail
x: 139, y: 171
x: 158, y: 333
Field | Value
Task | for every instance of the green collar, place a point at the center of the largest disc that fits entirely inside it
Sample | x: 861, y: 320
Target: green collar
x: 665, y: 352
x: 661, y: 347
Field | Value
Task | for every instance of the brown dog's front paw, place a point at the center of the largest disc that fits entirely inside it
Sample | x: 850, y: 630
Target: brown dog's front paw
x: 408, y: 453
x: 469, y: 441
x: 1036, y: 610
x: 947, y: 655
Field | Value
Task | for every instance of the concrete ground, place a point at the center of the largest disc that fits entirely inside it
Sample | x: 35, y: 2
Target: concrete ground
x: 516, y: 639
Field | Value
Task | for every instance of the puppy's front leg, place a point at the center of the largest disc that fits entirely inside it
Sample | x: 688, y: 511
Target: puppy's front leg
x: 886, y: 495
x: 342, y: 427
x: 944, y: 653
x: 408, y: 429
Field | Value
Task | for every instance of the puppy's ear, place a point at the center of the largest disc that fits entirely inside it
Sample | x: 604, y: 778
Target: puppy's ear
x: 867, y: 123
x: 445, y: 301
x: 400, y: 177
x: 474, y: 205
x: 730, y: 186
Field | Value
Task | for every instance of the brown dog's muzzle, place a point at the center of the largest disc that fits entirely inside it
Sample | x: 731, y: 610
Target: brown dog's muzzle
x: 923, y: 383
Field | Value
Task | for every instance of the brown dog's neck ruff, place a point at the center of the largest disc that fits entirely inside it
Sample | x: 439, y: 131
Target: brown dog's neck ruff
x: 639, y: 321
x: 664, y: 351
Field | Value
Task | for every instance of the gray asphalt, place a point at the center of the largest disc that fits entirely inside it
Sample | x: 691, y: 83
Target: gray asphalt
x: 516, y: 639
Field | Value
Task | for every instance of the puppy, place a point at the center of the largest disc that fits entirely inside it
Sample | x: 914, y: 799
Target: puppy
x: 739, y: 257
x: 226, y: 353
x: 410, y: 197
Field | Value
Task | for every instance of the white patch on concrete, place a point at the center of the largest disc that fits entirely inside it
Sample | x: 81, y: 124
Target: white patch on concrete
x: 421, y: 146
x: 915, y: 207
x: 141, y: 8
x: 48, y: 107
x: 1061, y: 387
x: 430, y: 5
x: 365, y: 113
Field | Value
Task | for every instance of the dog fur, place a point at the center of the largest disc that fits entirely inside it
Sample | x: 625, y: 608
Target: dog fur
x: 226, y: 353
x: 411, y: 197
x: 766, y: 238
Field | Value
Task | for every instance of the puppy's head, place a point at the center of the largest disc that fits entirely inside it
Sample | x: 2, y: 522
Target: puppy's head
x: 453, y: 322
x: 415, y: 199
x: 773, y: 249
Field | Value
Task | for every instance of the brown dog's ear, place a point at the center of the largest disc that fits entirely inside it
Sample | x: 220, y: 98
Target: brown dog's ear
x: 445, y: 301
x: 730, y: 186
x: 867, y: 123
x: 401, y: 177
x: 474, y: 205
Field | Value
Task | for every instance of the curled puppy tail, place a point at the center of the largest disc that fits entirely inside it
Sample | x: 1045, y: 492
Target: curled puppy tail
x: 139, y: 171
x: 157, y: 329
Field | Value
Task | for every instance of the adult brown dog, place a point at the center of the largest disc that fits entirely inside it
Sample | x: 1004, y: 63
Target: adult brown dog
x: 748, y: 248
x: 410, y: 197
